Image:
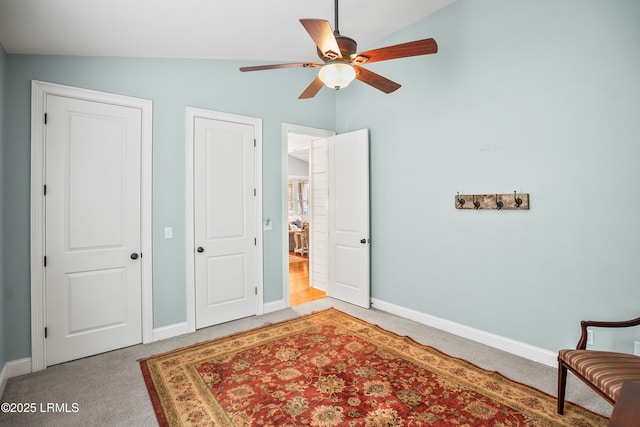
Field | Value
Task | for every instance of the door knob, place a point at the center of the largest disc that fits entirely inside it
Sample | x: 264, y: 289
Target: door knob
x: 200, y: 249
x: 134, y: 256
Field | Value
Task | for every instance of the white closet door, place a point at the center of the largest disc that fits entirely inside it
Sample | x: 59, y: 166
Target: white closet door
x: 226, y: 276
x: 92, y: 228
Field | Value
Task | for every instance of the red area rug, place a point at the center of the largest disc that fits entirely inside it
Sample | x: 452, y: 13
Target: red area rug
x: 331, y: 369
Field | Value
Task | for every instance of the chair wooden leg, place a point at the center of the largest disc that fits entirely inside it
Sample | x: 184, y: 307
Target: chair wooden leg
x: 562, y: 385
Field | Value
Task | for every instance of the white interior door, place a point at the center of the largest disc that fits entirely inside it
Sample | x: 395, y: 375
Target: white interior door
x: 349, y: 249
x: 92, y: 228
x: 225, y: 232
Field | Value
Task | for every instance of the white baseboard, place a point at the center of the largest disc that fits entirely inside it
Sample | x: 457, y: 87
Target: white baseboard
x: 170, y: 331
x: 270, y: 307
x: 518, y: 348
x: 12, y: 369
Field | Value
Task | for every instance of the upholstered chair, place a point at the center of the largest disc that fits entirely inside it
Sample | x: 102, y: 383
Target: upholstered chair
x: 603, y: 371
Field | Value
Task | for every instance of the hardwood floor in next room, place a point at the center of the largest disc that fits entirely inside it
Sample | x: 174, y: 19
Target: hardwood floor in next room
x: 299, y: 289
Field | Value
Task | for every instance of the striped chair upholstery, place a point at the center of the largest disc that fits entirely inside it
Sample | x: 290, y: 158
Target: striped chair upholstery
x: 603, y: 371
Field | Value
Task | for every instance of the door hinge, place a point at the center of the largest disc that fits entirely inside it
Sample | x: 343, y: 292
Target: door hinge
x: 254, y: 142
x: 255, y: 241
x: 255, y: 192
x: 45, y: 118
x: 45, y: 261
x: 255, y: 290
x: 44, y: 192
x: 45, y: 332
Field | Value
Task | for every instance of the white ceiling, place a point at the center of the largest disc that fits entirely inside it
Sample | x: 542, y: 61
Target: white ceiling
x: 253, y: 30
x: 298, y: 145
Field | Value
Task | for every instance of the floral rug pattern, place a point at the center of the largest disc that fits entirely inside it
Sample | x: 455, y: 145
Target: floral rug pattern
x: 330, y: 369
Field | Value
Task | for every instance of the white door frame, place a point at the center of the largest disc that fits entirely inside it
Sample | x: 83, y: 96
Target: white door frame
x: 286, y: 129
x: 39, y: 92
x: 191, y: 114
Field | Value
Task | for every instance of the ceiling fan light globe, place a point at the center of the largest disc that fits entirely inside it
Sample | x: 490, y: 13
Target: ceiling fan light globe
x: 337, y: 75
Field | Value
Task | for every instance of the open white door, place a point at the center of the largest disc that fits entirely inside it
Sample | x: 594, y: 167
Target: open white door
x: 349, y: 250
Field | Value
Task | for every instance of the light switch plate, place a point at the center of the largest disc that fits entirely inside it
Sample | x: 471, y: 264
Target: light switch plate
x: 168, y: 232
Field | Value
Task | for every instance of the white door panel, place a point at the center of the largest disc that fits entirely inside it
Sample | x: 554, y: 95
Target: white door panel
x: 349, y: 250
x: 226, y: 269
x: 93, y: 177
x: 224, y: 221
x: 345, y: 274
x: 95, y: 299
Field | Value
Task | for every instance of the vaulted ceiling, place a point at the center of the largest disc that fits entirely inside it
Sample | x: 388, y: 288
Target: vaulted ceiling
x: 254, y: 30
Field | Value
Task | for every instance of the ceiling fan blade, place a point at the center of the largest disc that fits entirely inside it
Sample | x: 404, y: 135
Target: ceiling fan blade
x: 402, y: 50
x: 376, y: 80
x: 276, y: 66
x: 321, y: 33
x: 312, y: 89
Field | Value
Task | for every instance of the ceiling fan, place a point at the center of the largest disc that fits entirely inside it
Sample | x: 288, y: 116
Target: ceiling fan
x: 341, y: 64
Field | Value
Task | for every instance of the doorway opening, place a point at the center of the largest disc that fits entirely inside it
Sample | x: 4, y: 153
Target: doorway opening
x: 304, y: 260
x: 338, y: 244
x: 298, y: 215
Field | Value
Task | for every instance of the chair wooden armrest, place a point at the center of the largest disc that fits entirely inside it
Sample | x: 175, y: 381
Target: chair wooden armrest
x: 582, y: 344
x: 603, y: 371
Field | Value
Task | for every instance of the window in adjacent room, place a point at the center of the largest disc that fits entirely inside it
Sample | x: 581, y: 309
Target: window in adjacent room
x: 298, y: 197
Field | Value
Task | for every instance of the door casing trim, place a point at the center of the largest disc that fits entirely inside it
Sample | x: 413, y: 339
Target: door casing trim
x: 191, y: 113
x: 39, y: 92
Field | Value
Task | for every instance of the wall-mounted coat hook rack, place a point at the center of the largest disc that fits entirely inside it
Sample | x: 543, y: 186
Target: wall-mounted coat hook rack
x: 515, y: 201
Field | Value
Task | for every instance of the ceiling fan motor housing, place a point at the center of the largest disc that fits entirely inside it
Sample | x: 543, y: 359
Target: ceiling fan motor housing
x: 348, y: 47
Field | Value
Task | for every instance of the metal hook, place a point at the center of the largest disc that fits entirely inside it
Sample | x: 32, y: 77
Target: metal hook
x: 518, y: 200
x: 499, y: 203
x: 460, y: 201
x: 476, y: 205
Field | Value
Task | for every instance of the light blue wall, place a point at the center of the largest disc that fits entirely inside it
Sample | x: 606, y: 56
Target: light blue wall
x: 540, y: 97
x: 3, y: 320
x: 172, y: 85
